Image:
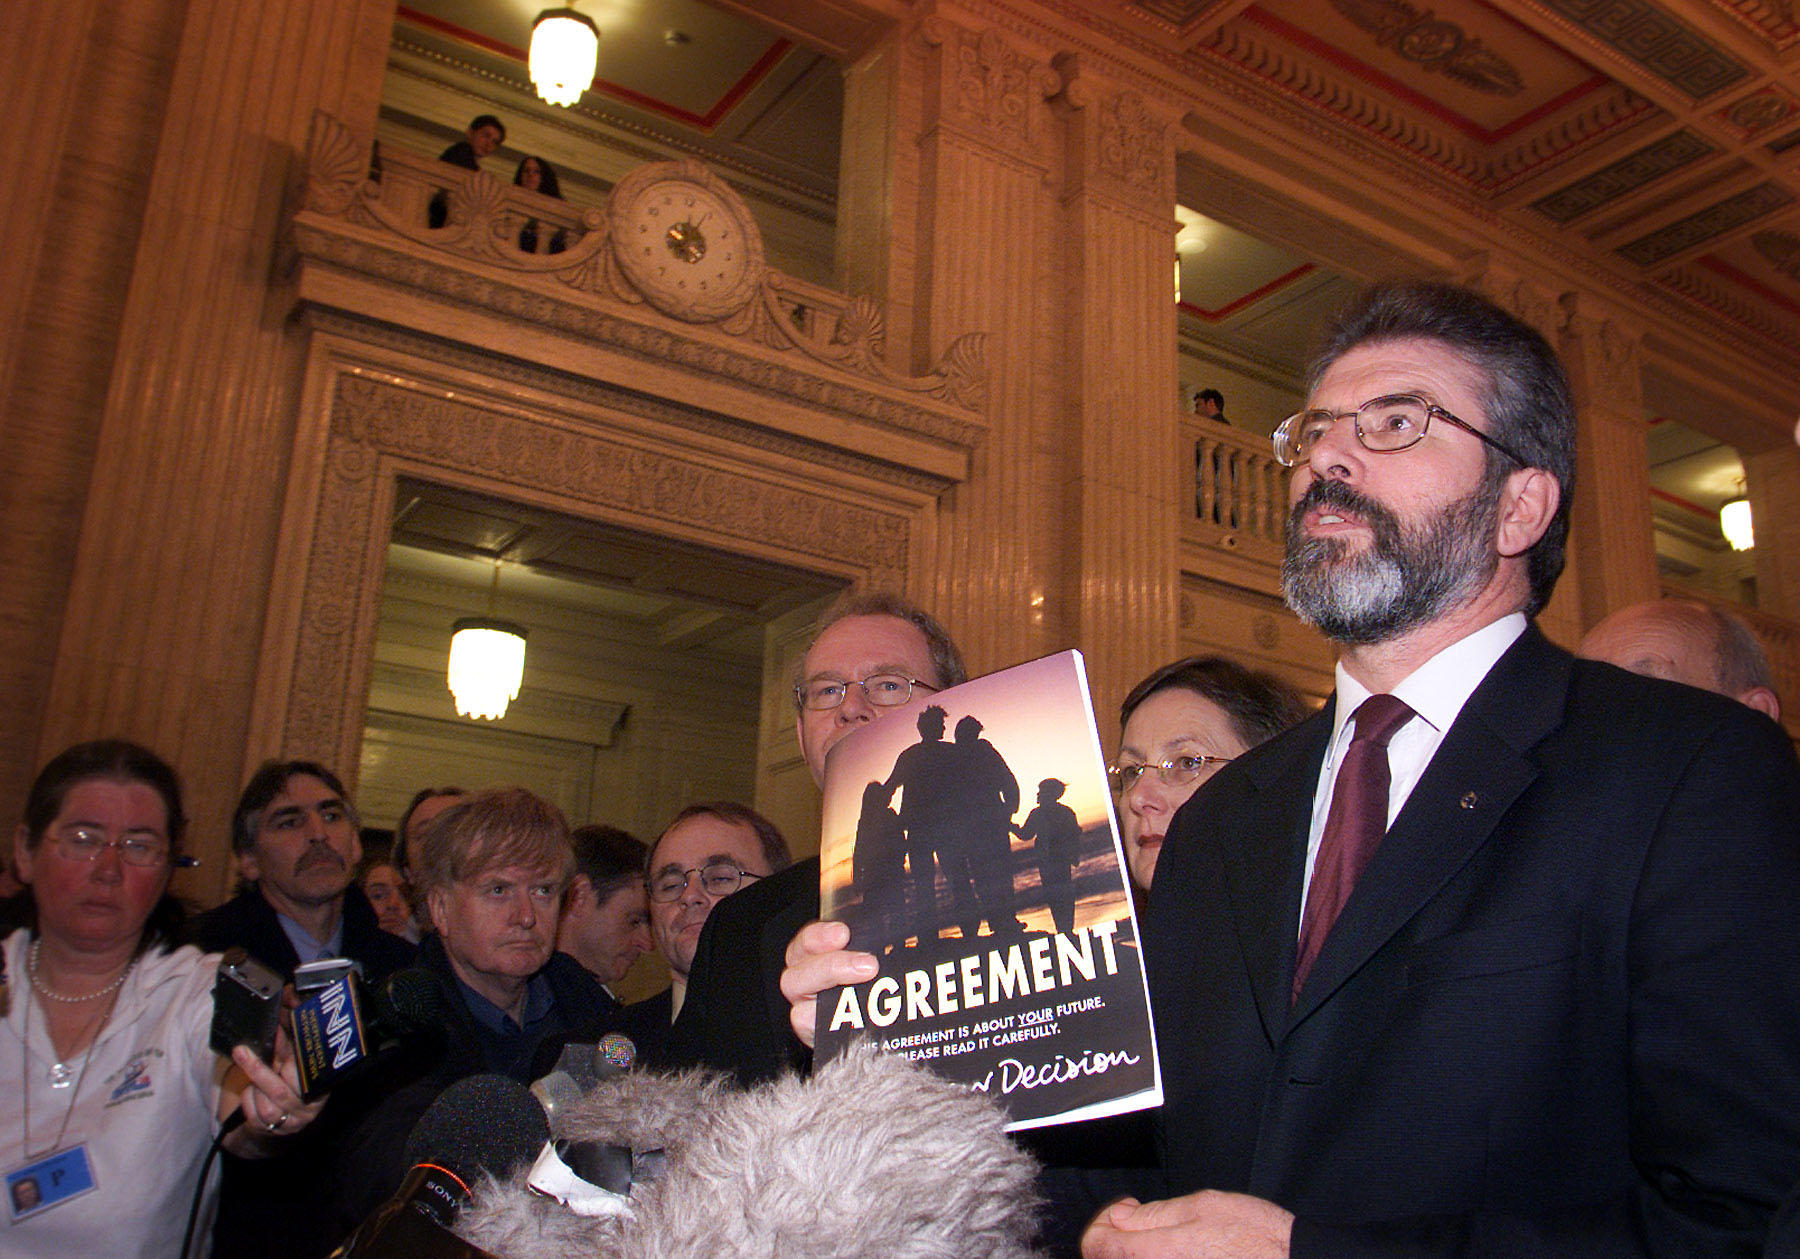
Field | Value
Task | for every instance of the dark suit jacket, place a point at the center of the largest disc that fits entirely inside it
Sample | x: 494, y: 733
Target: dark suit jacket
x: 648, y: 1024
x: 1560, y: 1013
x: 249, y: 920
x: 734, y: 1017
x: 370, y: 1162
x: 269, y: 1208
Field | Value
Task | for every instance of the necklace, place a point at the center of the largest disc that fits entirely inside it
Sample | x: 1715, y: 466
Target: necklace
x: 31, y: 969
x: 59, y: 1071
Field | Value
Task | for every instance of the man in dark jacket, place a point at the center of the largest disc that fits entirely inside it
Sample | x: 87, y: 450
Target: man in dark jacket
x: 492, y: 870
x: 485, y: 135
x: 297, y: 841
x: 295, y: 836
x: 870, y: 653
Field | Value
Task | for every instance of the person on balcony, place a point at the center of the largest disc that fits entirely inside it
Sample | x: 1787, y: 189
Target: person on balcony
x: 536, y: 175
x: 486, y: 133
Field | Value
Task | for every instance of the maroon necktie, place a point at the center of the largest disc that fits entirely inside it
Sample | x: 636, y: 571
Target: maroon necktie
x: 1353, y: 827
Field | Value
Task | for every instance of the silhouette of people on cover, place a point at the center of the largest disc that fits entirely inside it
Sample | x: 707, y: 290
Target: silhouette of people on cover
x: 878, y: 868
x: 979, y: 868
x: 1055, y: 836
x: 927, y: 814
x: 957, y: 802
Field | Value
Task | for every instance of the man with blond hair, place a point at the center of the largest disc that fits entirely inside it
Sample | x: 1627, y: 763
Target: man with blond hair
x: 491, y: 871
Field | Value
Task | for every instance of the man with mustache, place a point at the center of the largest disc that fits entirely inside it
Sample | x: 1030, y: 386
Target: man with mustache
x: 297, y: 842
x: 1496, y: 955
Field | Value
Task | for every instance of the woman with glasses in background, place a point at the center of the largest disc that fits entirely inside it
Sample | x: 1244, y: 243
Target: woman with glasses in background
x: 1178, y: 727
x: 109, y: 1092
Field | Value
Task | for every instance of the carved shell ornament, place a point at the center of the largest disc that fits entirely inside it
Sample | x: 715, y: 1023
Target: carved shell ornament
x: 686, y: 241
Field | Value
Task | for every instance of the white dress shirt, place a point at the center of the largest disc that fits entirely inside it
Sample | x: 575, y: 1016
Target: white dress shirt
x: 1436, y: 691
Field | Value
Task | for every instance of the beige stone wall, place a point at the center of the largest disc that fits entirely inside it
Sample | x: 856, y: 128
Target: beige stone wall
x: 149, y: 383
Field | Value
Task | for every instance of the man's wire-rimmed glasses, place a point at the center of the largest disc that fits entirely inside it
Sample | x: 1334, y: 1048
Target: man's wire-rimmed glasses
x: 884, y: 690
x: 717, y: 878
x: 1395, y: 421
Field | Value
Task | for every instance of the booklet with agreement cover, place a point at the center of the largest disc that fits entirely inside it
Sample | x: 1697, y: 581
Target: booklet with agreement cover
x: 969, y: 842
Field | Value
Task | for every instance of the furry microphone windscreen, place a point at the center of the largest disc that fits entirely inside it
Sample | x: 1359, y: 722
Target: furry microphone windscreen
x: 870, y: 1156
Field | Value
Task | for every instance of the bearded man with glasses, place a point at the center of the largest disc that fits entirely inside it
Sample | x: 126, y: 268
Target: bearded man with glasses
x: 1496, y: 955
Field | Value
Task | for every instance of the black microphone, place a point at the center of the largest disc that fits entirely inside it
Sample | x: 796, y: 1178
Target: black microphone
x: 342, y: 1025
x: 485, y: 1123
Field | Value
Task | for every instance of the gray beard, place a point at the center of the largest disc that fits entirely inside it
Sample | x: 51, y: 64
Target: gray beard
x: 1401, y: 580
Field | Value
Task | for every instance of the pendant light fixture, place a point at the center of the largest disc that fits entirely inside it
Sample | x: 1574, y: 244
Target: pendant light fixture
x: 1734, y: 523
x: 565, y: 47
x: 487, y: 662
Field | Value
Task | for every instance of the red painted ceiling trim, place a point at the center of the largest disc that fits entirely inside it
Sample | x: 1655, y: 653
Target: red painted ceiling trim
x: 1683, y: 503
x: 1756, y: 286
x: 1468, y: 126
x: 732, y: 95
x: 1232, y: 307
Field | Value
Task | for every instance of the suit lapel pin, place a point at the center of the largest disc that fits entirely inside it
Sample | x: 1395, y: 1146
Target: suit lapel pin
x: 1470, y: 800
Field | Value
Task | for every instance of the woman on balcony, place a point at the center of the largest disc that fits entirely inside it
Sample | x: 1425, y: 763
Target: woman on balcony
x: 537, y: 175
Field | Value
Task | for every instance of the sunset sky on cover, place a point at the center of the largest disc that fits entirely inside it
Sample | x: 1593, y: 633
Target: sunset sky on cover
x: 1038, y: 715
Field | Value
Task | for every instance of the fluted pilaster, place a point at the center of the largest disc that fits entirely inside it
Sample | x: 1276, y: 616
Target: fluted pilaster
x: 197, y: 424
x: 1611, y: 532
x: 975, y: 249
x: 84, y: 88
x: 1772, y: 481
x: 1129, y: 463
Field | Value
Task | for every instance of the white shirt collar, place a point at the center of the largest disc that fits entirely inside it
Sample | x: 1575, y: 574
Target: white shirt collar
x: 1437, y: 689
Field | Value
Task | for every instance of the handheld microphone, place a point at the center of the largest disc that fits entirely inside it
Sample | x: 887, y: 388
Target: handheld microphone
x: 342, y: 1024
x: 485, y: 1123
x: 588, y: 1177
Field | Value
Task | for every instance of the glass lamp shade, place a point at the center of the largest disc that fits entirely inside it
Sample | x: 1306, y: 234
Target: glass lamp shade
x: 487, y: 661
x: 1734, y: 522
x: 565, y: 46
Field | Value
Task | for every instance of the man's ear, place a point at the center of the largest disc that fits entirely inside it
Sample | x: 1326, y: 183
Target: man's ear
x: 580, y: 893
x: 248, y: 866
x: 1528, y: 503
x: 1763, y: 700
x: 435, y: 904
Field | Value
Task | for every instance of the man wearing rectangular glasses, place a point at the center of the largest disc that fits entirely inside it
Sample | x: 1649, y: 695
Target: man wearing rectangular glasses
x: 1497, y: 954
x: 1545, y: 997
x: 708, y: 852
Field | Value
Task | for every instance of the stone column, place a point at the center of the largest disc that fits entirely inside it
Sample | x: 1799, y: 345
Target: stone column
x: 84, y: 88
x: 1772, y: 483
x: 1611, y: 534
x: 166, y: 601
x: 1129, y: 469
x: 950, y: 221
